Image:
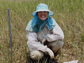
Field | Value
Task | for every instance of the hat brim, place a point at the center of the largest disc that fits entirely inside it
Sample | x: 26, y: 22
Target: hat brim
x: 50, y: 12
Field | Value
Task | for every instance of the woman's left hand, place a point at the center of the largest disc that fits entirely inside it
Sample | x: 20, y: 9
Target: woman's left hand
x: 44, y: 40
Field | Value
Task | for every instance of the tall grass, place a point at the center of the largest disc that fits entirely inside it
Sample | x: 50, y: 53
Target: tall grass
x: 69, y: 14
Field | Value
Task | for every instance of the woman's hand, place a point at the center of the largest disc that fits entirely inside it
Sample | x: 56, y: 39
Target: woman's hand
x: 50, y: 52
x: 44, y: 40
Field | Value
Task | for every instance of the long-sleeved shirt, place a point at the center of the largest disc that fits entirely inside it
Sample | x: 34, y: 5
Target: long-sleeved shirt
x: 35, y: 38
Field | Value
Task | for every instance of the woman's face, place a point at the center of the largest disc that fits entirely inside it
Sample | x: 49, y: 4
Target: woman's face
x: 43, y: 15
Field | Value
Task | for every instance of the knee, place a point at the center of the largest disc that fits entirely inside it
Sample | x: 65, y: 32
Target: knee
x: 57, y: 45
x: 60, y: 44
x: 36, y: 55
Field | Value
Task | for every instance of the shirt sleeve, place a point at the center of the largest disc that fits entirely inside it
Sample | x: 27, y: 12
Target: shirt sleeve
x: 56, y: 35
x: 32, y: 40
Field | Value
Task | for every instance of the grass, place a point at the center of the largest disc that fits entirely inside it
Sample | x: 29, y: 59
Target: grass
x: 69, y: 14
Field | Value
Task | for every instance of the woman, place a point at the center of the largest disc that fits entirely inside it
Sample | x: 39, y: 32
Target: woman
x: 44, y: 34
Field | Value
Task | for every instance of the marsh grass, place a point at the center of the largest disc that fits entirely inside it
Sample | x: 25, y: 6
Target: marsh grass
x: 69, y: 14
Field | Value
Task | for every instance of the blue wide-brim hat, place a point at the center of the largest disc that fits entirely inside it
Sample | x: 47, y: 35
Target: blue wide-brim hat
x: 42, y: 7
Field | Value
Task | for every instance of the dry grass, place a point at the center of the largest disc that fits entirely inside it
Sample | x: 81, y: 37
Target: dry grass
x: 19, y: 0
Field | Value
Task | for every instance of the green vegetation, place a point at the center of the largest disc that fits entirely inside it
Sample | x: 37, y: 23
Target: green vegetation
x: 69, y: 14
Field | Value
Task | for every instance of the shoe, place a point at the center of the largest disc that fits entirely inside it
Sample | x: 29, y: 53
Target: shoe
x: 53, y: 61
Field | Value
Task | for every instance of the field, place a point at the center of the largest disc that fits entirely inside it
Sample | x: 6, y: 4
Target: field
x: 69, y: 14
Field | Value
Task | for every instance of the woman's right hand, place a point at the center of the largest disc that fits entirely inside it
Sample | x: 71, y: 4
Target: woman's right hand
x: 50, y: 52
